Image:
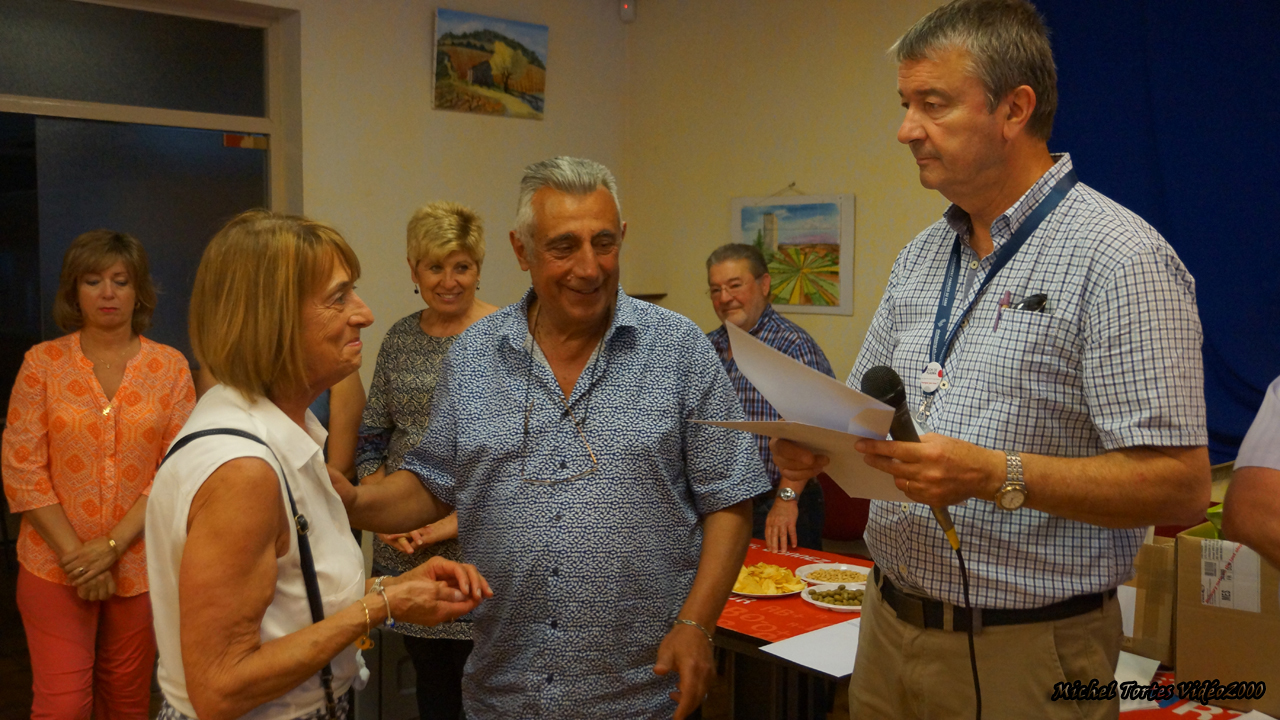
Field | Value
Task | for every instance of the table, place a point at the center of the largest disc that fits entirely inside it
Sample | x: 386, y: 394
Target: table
x: 765, y: 685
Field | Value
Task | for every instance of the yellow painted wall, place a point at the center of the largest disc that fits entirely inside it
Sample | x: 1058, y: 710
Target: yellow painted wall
x: 730, y: 98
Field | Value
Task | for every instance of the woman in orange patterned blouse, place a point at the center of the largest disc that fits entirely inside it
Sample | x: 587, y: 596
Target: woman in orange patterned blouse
x: 89, y: 419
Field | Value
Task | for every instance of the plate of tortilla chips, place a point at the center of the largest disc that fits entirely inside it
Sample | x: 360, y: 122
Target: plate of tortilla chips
x: 763, y: 580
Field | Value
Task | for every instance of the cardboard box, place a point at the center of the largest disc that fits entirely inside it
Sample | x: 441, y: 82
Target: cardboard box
x: 1155, y: 584
x: 1239, y: 638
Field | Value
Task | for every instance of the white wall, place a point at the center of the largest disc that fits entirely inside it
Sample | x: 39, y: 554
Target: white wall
x: 695, y: 103
x: 373, y: 149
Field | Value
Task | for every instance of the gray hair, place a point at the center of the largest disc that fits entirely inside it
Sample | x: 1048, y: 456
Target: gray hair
x: 576, y: 176
x: 739, y: 251
x: 1008, y: 46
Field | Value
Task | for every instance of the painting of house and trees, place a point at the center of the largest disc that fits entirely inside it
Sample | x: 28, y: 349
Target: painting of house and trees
x: 807, y: 242
x: 490, y: 66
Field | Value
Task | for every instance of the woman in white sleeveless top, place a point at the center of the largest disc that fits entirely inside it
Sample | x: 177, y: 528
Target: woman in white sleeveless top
x: 275, y: 317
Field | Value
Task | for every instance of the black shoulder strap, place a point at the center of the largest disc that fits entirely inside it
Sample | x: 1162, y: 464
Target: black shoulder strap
x: 305, y: 557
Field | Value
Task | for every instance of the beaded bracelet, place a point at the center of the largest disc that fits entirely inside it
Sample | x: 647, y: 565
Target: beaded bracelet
x: 377, y: 587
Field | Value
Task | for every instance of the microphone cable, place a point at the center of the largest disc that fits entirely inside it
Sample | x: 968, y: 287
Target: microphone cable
x: 973, y: 656
x: 884, y: 384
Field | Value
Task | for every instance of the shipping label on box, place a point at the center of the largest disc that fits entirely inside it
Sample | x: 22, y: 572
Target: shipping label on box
x: 1230, y: 576
x: 1228, y: 620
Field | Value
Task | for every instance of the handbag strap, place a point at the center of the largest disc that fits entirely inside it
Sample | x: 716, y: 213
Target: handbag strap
x: 305, y: 557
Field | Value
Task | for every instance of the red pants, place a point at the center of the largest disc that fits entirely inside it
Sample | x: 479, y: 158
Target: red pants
x: 86, y: 656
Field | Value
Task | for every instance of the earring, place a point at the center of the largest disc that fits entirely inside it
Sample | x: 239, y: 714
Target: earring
x: 415, y: 288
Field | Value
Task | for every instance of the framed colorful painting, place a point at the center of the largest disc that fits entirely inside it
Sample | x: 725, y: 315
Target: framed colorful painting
x: 490, y: 66
x: 807, y: 242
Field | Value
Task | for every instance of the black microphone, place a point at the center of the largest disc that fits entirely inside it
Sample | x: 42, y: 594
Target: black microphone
x: 883, y: 384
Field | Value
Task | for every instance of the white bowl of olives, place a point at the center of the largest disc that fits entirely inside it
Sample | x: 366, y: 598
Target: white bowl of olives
x: 839, y: 597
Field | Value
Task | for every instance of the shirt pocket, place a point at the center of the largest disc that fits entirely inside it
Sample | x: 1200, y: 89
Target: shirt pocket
x: 1032, y: 357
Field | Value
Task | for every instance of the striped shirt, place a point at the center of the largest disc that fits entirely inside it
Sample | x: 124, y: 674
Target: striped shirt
x: 787, y: 338
x: 1112, y: 362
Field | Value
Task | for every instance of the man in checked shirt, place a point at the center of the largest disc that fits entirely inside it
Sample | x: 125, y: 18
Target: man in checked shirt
x: 790, y: 514
x: 1049, y: 340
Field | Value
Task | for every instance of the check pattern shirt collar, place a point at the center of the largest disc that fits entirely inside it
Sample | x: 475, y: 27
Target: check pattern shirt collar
x: 1112, y: 362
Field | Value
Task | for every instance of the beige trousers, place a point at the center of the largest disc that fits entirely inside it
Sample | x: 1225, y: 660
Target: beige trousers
x: 904, y: 672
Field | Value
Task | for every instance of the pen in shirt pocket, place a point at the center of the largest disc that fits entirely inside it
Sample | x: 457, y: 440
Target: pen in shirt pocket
x: 1005, y: 301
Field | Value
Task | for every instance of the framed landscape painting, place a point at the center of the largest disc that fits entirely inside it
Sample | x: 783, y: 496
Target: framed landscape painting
x: 807, y: 242
x: 490, y: 66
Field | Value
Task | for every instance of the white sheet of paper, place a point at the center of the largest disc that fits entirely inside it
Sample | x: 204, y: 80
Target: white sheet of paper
x: 1137, y: 669
x: 1255, y: 715
x: 830, y: 649
x: 801, y: 394
x: 821, y: 414
x: 1128, y: 597
x: 847, y: 468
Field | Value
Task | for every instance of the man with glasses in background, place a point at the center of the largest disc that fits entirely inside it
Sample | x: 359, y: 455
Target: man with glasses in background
x: 610, y: 527
x: 738, y: 283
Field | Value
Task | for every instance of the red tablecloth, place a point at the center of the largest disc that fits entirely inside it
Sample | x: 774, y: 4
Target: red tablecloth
x: 775, y: 619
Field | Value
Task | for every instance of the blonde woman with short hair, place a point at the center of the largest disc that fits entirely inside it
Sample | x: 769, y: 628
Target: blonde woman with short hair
x: 275, y: 317
x: 445, y: 251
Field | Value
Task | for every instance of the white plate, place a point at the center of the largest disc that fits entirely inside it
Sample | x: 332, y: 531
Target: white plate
x: 832, y: 586
x: 767, y: 597
x: 803, y: 572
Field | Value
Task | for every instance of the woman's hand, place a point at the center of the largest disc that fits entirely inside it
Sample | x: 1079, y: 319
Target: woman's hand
x: 99, y: 588
x: 89, y: 561
x: 436, y: 532
x: 463, y: 576
x: 400, y: 541
x: 416, y: 598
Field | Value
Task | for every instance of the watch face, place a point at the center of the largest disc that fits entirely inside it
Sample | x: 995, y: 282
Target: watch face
x: 787, y: 494
x: 1012, y: 498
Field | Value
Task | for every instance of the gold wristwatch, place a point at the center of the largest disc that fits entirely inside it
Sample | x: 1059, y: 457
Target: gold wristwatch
x: 1013, y: 493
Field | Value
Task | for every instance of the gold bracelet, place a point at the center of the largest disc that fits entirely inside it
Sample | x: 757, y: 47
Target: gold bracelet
x: 682, y: 621
x: 114, y: 548
x: 364, y: 643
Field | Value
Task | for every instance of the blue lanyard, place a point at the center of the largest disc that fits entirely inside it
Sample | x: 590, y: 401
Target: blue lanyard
x: 940, y: 346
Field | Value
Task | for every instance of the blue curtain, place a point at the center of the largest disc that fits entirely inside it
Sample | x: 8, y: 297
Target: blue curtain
x: 1173, y: 110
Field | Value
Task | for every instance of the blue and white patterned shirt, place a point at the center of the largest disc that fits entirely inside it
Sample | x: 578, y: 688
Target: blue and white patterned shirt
x: 588, y: 574
x: 1113, y: 362
x: 787, y: 338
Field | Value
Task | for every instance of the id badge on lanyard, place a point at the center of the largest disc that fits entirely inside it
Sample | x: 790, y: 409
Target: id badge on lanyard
x: 933, y: 378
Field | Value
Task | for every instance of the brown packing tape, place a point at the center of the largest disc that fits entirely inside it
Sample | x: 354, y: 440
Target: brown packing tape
x: 1154, y: 620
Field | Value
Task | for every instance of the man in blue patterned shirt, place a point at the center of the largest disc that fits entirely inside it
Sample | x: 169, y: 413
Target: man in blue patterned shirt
x: 738, y: 283
x: 610, y: 526
x: 1062, y: 382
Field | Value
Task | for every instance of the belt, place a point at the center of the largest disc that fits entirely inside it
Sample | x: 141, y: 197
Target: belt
x: 927, y: 613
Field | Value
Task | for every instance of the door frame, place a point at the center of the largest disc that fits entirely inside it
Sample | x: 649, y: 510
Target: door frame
x: 283, y: 122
